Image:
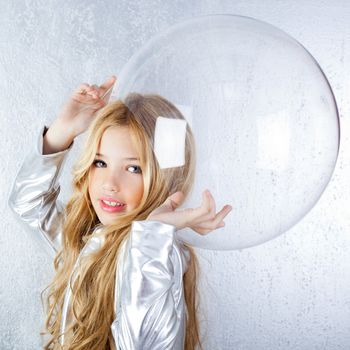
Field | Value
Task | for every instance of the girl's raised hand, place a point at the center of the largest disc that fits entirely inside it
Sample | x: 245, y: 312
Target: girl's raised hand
x: 80, y: 109
x: 76, y: 115
x: 202, y: 220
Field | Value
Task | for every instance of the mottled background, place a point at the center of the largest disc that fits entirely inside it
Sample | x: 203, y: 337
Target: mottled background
x: 289, y: 293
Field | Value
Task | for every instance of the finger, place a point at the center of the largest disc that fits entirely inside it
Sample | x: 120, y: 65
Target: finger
x: 179, y: 197
x: 223, y: 212
x: 220, y: 216
x: 85, y: 90
x: 93, y: 91
x: 89, y: 100
x: 203, y: 230
x: 94, y: 88
x: 207, y: 209
x: 91, y: 95
x: 82, y: 94
x: 88, y: 87
x: 175, y: 200
x: 109, y: 82
x: 82, y: 89
x: 203, y: 212
x: 212, y: 203
x: 107, y: 87
x: 215, y: 223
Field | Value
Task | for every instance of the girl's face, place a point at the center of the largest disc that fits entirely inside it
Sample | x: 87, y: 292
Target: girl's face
x: 116, y: 183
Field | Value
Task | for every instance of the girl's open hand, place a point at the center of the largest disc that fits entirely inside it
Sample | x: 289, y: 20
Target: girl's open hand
x: 203, y: 219
x: 80, y: 109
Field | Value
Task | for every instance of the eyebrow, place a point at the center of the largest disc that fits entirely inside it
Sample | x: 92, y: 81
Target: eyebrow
x: 127, y: 158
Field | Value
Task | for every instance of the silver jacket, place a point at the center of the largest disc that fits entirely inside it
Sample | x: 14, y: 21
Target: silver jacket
x: 149, y: 301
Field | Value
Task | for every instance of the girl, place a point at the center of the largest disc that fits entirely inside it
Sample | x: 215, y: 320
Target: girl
x: 123, y: 280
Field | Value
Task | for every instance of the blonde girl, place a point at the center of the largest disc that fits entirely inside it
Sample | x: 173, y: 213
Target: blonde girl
x: 122, y: 278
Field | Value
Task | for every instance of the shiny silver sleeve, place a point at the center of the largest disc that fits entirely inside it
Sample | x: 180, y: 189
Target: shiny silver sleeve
x: 150, y: 307
x: 33, y: 197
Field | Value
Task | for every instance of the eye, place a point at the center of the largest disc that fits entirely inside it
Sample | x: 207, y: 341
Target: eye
x: 99, y: 163
x: 136, y: 168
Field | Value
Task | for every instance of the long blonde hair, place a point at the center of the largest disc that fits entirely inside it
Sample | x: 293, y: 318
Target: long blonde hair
x: 92, y: 300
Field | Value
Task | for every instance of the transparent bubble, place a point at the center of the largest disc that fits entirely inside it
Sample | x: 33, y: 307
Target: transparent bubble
x: 263, y: 115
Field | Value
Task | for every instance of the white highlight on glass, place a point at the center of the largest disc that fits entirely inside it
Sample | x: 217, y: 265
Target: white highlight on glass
x: 169, y: 142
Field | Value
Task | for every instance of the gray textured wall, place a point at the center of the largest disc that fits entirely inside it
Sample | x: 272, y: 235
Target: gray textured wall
x: 290, y: 293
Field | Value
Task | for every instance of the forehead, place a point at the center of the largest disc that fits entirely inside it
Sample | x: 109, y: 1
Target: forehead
x: 117, y: 141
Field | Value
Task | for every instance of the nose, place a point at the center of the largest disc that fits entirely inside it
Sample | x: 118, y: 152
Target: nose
x: 111, y: 183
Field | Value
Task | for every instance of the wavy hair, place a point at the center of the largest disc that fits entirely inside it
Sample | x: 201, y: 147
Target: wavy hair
x: 92, y: 300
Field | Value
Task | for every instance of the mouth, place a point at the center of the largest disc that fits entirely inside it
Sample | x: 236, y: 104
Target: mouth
x: 111, y: 206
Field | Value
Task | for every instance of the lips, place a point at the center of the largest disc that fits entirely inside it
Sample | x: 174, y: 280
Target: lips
x: 111, y: 205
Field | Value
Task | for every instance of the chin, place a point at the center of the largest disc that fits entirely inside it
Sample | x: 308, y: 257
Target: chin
x: 108, y: 221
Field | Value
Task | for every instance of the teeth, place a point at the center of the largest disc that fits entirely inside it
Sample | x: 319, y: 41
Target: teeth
x: 112, y: 204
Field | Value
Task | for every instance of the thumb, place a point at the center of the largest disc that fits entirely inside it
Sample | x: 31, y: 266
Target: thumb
x: 175, y: 200
x: 107, y: 87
